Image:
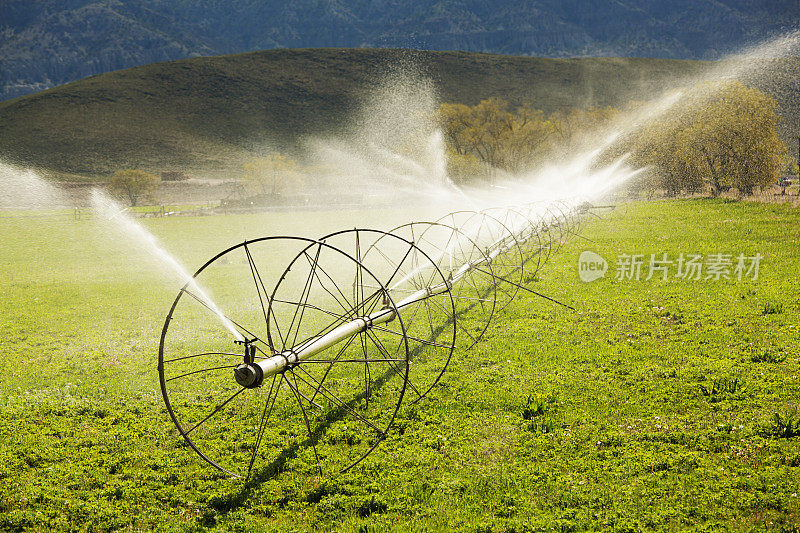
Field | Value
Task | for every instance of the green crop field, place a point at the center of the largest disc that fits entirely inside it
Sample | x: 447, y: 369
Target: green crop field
x: 655, y: 405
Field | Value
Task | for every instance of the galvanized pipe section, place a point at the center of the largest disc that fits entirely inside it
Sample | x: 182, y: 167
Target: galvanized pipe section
x: 311, y: 347
x: 281, y: 361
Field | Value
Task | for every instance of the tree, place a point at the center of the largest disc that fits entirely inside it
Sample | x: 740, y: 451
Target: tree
x: 572, y: 126
x: 493, y: 136
x: 463, y: 168
x: 526, y: 136
x: 657, y: 146
x: 273, y: 174
x: 734, y: 138
x: 134, y: 184
x: 477, y: 130
x: 788, y: 168
x: 725, y: 135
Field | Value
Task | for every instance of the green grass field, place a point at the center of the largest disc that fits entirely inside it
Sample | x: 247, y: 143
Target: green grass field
x: 651, y: 407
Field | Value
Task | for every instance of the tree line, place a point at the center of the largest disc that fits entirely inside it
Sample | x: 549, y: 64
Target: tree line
x: 722, y: 135
x: 719, y: 136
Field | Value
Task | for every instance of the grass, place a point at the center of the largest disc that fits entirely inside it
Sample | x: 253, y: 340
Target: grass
x: 784, y: 428
x: 206, y: 112
x: 558, y: 420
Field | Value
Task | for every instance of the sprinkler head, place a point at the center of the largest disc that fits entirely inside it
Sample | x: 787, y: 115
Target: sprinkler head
x: 248, y: 376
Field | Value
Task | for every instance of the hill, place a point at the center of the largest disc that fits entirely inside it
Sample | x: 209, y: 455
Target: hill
x: 202, y: 112
x: 44, y: 43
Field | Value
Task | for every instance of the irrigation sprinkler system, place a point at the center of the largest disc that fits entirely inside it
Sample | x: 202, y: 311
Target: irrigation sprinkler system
x: 323, y: 342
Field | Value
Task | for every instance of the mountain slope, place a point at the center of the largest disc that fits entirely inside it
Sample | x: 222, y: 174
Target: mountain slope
x: 203, y: 112
x: 48, y: 42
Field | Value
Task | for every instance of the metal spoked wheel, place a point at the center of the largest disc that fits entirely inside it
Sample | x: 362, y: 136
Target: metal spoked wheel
x: 458, y: 257
x: 569, y: 218
x: 500, y: 245
x: 543, y: 222
x: 422, y: 292
x: 562, y: 221
x: 526, y: 234
x: 249, y: 371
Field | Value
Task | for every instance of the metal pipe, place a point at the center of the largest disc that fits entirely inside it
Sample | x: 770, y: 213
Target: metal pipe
x: 311, y: 347
x: 251, y: 373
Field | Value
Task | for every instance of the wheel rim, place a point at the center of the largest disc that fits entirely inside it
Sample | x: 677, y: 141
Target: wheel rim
x: 430, y: 323
x: 291, y: 417
x: 487, y: 231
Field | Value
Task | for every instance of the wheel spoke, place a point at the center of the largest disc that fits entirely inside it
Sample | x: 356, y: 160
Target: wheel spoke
x: 335, y: 399
x: 381, y: 348
x: 256, y: 280
x: 305, y: 419
x: 329, y: 327
x: 304, y: 296
x: 217, y: 410
x: 268, y: 405
x: 203, y: 354
x: 411, y: 338
x: 199, y: 372
x: 330, y: 366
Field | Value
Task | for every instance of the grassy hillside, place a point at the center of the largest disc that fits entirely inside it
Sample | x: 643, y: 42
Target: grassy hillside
x: 202, y: 112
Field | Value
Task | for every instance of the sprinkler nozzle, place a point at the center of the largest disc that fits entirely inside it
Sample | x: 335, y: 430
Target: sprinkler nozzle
x: 248, y: 374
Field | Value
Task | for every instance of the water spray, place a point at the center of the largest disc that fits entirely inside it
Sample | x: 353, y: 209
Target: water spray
x: 114, y: 212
